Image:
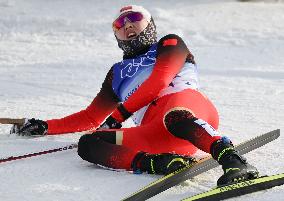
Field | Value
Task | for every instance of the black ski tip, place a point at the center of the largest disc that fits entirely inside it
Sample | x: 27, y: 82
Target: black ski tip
x: 276, y: 133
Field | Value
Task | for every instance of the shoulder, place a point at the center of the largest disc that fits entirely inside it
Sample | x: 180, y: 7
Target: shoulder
x: 170, y: 40
x: 174, y: 43
x: 170, y: 43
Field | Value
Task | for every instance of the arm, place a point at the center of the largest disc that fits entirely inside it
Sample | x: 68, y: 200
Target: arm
x: 90, y: 118
x: 172, y: 53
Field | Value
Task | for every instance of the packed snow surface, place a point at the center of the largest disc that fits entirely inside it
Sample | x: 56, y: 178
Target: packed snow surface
x: 54, y: 56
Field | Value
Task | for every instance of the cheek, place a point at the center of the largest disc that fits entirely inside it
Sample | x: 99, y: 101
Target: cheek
x: 140, y: 26
x: 120, y: 34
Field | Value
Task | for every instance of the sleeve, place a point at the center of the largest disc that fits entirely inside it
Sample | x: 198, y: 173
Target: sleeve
x: 172, y: 53
x: 91, y: 117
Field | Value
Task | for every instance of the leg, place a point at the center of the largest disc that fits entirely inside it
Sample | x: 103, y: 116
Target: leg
x: 183, y: 122
x: 111, y: 148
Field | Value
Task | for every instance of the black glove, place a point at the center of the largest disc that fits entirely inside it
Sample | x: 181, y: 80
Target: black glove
x: 31, y: 127
x: 110, y: 123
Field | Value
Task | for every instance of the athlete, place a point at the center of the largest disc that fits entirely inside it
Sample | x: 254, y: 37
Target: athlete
x: 156, y: 85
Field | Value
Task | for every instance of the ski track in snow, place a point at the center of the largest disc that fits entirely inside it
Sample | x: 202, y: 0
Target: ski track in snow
x: 54, y: 56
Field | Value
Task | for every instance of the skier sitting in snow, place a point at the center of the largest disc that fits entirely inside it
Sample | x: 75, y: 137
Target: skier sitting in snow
x: 156, y: 84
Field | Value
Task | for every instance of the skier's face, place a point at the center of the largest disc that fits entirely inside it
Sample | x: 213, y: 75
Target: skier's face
x: 129, y: 26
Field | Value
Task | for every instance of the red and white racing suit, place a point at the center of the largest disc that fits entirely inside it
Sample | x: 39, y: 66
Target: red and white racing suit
x: 160, y: 88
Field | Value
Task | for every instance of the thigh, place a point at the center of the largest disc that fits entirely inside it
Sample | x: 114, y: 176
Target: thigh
x: 138, y: 138
x: 155, y: 138
x: 152, y: 137
x: 195, y: 102
x: 149, y: 138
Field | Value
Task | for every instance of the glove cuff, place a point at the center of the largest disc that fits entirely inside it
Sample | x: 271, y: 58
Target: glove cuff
x: 112, y: 123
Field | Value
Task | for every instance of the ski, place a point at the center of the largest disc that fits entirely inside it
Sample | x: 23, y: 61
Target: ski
x: 239, y: 189
x: 201, y: 166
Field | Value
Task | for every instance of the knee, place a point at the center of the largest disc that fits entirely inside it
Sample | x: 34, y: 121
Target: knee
x: 86, y: 147
x: 83, y: 147
x: 180, y: 122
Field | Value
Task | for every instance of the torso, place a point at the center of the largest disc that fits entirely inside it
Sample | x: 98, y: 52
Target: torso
x: 129, y: 74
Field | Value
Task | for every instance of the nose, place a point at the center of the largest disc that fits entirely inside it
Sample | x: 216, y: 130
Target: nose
x: 128, y: 24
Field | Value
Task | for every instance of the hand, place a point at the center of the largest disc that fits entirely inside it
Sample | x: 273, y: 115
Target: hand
x: 31, y: 127
x: 110, y: 123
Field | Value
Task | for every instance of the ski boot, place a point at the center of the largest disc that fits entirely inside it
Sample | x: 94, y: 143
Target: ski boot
x: 162, y: 164
x: 235, y: 166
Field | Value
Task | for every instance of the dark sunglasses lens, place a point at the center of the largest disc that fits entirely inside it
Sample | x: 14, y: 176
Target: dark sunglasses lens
x: 132, y: 17
x: 118, y: 23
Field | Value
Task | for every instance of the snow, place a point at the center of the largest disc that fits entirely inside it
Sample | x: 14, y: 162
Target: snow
x: 54, y: 56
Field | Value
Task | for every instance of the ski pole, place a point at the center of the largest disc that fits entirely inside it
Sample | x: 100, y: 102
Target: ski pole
x: 21, y: 122
x: 12, y: 158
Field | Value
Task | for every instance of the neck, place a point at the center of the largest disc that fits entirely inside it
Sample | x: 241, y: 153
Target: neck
x: 136, y: 53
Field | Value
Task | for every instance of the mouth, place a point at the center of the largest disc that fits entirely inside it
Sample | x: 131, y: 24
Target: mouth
x: 131, y: 35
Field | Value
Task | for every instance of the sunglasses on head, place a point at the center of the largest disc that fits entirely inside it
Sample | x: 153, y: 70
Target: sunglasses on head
x: 132, y: 17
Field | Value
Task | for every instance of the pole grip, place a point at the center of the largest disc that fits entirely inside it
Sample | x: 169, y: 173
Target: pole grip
x: 12, y: 121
